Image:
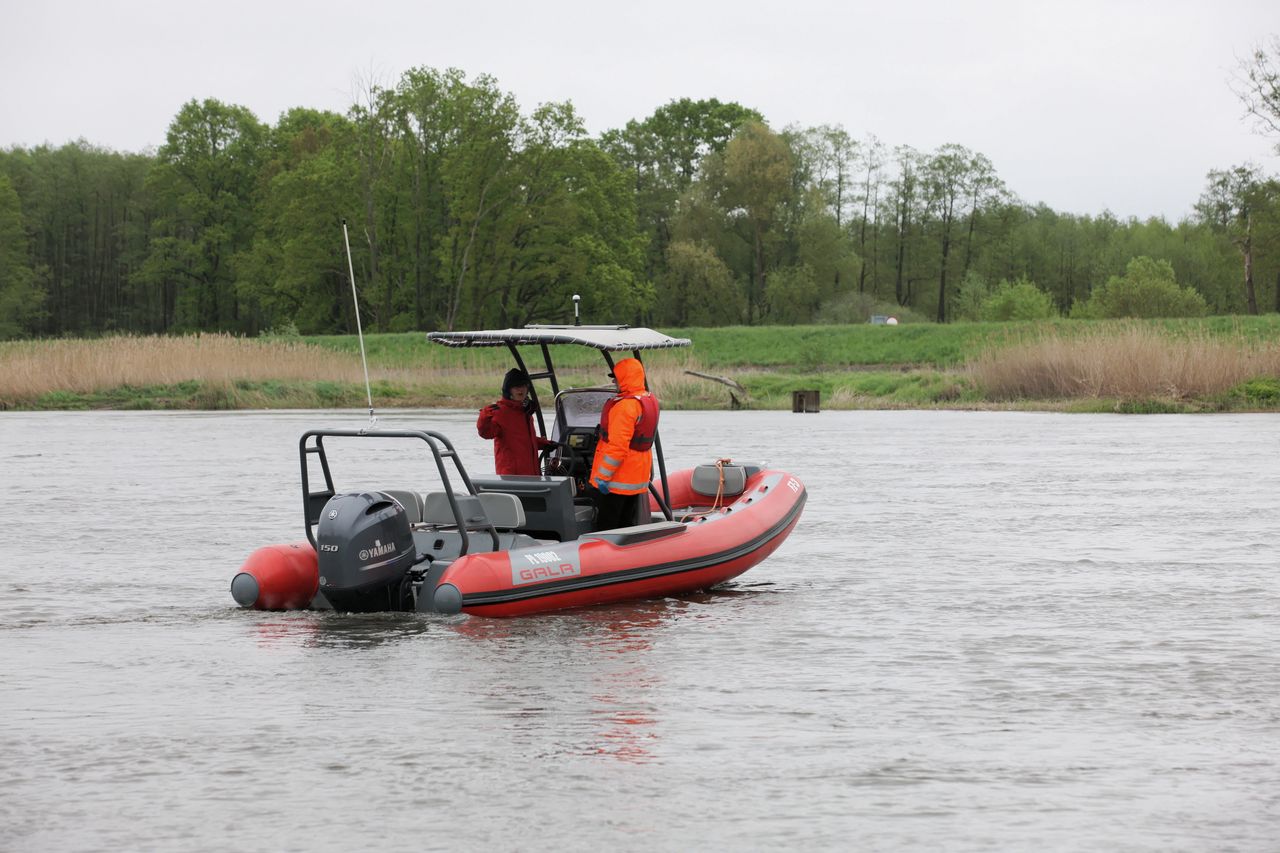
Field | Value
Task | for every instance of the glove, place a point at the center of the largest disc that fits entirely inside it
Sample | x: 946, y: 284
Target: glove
x: 602, y: 486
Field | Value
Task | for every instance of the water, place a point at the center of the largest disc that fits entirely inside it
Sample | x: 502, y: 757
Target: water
x: 990, y: 631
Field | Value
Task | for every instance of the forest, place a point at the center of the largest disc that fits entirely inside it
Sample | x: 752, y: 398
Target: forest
x: 465, y: 210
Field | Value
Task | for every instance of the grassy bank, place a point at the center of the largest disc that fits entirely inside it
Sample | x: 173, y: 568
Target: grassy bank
x: 810, y: 348
x: 1215, y: 364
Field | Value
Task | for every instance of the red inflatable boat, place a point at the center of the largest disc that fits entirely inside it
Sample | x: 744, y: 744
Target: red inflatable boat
x: 515, y: 545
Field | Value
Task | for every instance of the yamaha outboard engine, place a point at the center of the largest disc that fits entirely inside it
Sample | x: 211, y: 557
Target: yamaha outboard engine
x: 365, y: 550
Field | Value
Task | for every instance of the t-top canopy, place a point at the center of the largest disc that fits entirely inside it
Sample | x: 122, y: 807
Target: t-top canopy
x: 598, y: 337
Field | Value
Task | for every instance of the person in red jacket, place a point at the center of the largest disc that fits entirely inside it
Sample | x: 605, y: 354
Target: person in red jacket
x: 509, y: 423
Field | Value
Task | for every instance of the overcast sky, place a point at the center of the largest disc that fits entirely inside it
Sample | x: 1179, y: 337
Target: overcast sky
x: 1085, y: 105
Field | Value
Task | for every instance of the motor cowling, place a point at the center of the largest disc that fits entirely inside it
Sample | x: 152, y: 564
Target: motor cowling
x: 365, y: 550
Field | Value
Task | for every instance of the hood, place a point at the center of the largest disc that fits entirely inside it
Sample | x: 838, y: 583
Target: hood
x: 515, y: 377
x: 630, y: 375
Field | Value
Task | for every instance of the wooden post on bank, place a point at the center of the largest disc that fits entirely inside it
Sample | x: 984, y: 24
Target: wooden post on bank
x: 805, y: 401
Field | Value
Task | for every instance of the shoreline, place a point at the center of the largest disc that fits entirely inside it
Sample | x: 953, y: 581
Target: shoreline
x: 1219, y: 364
x: 258, y: 396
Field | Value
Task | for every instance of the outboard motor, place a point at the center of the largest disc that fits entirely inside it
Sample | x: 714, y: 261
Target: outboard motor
x: 365, y: 551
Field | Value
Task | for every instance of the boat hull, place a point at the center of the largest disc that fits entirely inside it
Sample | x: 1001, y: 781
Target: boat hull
x: 709, y: 542
x: 704, y: 547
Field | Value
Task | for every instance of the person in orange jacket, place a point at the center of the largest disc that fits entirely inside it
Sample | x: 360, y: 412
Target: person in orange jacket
x: 509, y: 423
x: 623, y: 463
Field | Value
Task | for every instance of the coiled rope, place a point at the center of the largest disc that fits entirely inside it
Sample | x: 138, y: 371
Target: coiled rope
x: 717, y: 504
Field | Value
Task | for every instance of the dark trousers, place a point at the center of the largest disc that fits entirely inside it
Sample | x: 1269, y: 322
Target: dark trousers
x: 617, y: 510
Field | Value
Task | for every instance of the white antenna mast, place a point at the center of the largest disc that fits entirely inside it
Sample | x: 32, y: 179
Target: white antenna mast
x: 368, y: 390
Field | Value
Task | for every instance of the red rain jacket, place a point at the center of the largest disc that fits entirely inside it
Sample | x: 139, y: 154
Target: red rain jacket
x: 515, y: 443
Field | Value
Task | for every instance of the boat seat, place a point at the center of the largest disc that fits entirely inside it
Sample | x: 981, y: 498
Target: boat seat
x: 504, y: 510
x: 436, y: 510
x: 547, y: 501
x: 706, y: 480
x: 640, y: 533
x: 501, y: 510
x: 411, y: 501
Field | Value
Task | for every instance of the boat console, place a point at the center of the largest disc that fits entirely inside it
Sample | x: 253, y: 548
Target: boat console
x: 575, y: 432
x: 550, y: 504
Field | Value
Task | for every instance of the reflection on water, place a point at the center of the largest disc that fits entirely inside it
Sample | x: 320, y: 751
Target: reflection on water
x: 612, y: 646
x: 609, y: 645
x: 988, y: 631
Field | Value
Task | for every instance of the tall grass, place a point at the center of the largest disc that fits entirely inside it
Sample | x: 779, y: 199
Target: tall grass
x: 224, y: 371
x: 32, y: 368
x: 852, y: 367
x: 1127, y: 361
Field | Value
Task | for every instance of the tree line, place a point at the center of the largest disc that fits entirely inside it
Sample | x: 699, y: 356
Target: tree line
x: 465, y: 211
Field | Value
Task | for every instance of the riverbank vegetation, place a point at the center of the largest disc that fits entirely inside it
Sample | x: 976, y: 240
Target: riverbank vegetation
x: 212, y: 271
x: 1209, y: 364
x: 1139, y: 367
x: 466, y: 211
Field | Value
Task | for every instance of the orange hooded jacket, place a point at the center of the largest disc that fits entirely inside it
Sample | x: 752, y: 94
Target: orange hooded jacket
x: 627, y: 471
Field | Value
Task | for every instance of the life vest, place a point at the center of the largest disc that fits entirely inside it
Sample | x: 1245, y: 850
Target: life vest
x: 646, y: 428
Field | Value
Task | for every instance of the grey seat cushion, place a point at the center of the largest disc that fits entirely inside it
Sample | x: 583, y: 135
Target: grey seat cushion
x: 436, y: 510
x: 500, y: 509
x: 706, y: 480
x: 411, y: 501
x: 504, y: 510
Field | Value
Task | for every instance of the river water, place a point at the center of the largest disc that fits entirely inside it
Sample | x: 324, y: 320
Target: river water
x: 989, y: 631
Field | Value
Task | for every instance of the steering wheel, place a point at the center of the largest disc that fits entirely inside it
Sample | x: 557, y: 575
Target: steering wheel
x: 563, y: 468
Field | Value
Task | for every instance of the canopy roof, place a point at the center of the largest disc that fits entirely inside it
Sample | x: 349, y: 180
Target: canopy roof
x: 598, y: 337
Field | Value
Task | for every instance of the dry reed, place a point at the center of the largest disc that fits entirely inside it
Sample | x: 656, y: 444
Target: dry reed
x: 33, y: 368
x: 1129, y: 362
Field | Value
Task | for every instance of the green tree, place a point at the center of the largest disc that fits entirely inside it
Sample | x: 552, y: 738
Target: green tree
x: 377, y: 230
x: 206, y: 185
x: 426, y: 130
x: 477, y: 181
x: 945, y: 176
x: 86, y: 219
x: 1147, y: 289
x: 21, y: 297
x: 1017, y: 300
x: 792, y: 295
x: 825, y: 158
x: 905, y: 206
x: 826, y: 250
x: 296, y: 270
x: 663, y: 154
x: 568, y: 228
x: 868, y: 200
x: 970, y: 295
x: 1233, y: 203
x: 986, y: 191
x: 757, y: 171
x: 697, y: 288
x: 957, y: 186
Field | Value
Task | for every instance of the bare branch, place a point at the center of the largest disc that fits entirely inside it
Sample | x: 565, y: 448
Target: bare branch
x: 1256, y: 82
